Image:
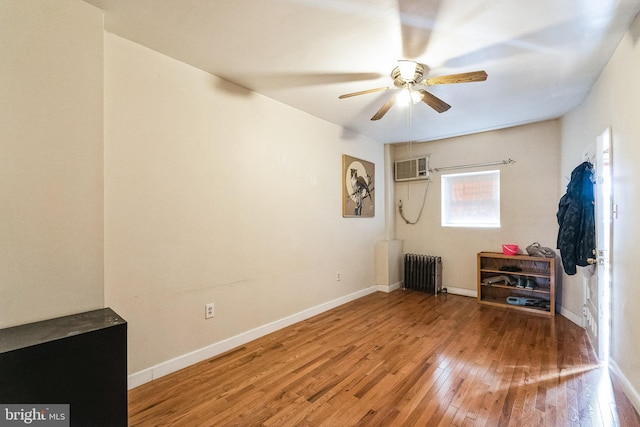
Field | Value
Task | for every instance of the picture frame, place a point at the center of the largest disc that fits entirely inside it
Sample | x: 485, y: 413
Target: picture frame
x: 358, y: 185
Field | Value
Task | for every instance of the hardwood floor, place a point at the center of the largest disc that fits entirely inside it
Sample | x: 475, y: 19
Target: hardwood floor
x: 398, y: 359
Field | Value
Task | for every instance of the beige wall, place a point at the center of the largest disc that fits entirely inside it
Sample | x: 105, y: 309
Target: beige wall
x: 51, y: 200
x: 217, y: 194
x: 529, y: 197
x: 614, y: 101
x: 201, y: 174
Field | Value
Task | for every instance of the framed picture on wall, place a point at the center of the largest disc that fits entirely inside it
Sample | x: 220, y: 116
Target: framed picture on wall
x: 357, y: 188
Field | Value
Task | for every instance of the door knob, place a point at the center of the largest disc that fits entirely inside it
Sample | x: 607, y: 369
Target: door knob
x: 592, y: 261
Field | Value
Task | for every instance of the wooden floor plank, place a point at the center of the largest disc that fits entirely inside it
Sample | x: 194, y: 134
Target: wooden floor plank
x: 404, y: 358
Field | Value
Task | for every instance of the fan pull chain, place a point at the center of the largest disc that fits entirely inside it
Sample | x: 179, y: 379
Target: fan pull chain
x: 409, y: 123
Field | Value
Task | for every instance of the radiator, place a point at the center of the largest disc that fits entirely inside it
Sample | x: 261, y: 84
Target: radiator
x: 423, y: 273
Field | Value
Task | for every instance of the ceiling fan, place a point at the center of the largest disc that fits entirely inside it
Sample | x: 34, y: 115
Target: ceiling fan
x: 408, y: 76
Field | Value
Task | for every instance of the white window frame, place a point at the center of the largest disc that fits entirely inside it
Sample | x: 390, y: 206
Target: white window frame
x: 456, y: 212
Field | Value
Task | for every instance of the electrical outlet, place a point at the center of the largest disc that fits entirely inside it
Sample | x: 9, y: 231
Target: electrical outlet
x: 209, y: 311
x: 338, y: 276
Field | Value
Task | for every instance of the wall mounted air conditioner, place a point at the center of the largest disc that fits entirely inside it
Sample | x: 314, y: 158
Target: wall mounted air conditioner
x: 412, y: 169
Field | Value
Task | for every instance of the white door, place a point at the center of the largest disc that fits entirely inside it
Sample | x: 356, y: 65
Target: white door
x: 597, y: 285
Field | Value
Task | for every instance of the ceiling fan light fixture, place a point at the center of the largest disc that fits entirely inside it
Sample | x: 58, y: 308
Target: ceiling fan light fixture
x: 407, y: 69
x: 408, y: 77
x: 404, y: 97
x: 409, y: 96
x: 415, y: 96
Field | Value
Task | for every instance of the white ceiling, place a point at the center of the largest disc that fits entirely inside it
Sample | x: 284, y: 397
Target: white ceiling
x: 541, y: 56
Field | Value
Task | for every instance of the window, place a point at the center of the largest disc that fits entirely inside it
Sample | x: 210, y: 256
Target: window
x: 471, y: 199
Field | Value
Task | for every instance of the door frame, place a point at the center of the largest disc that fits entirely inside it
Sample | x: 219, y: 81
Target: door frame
x: 597, y: 287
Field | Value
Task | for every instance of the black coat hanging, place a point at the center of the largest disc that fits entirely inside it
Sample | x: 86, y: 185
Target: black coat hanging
x: 576, y: 218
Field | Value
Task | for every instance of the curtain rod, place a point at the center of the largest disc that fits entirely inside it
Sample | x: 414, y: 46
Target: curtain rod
x: 475, y: 165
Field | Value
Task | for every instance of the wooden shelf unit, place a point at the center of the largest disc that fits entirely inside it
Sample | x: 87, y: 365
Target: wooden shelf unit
x: 541, y: 270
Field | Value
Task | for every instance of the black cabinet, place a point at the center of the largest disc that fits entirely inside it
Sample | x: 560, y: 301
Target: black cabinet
x: 79, y: 360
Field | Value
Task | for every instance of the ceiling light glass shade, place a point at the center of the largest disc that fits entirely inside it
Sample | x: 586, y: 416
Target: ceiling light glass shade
x: 416, y: 96
x: 404, y: 97
x: 408, y: 96
x: 407, y: 69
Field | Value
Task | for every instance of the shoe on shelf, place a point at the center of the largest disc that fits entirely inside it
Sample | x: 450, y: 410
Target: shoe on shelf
x: 531, y: 283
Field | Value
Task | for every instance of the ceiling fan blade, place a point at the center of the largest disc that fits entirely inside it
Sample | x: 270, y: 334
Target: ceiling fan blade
x: 417, y: 20
x: 269, y: 81
x: 434, y: 102
x: 364, y: 92
x: 474, y: 76
x: 383, y: 110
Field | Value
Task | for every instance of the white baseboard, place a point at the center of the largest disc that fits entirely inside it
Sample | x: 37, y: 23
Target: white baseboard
x: 474, y: 294
x: 146, y: 375
x: 454, y: 291
x: 575, y: 318
x: 389, y: 288
x: 632, y: 394
x: 462, y: 291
